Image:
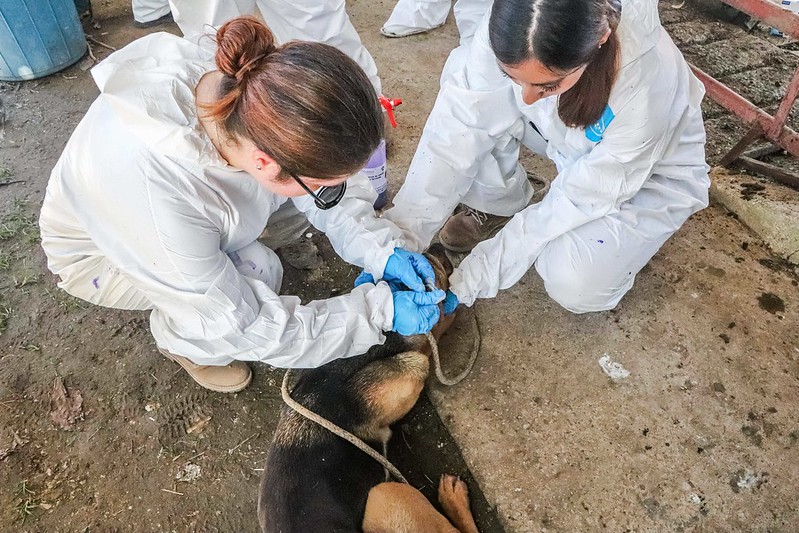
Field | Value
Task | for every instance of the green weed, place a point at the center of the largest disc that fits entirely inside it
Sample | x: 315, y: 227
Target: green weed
x: 18, y: 223
x: 7, y: 258
x: 65, y: 301
x: 5, y: 314
x: 26, y: 502
x: 26, y: 279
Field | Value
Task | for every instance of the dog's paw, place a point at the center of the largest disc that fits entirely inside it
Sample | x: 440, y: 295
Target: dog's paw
x: 453, y: 494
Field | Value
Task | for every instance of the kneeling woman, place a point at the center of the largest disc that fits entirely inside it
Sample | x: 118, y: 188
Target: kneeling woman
x: 599, y: 87
x: 167, y: 182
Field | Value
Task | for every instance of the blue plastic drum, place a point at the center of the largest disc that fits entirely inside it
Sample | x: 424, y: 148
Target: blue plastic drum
x: 38, y: 37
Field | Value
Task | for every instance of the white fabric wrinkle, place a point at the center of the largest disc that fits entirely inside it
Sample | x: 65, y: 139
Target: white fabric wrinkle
x: 356, y: 233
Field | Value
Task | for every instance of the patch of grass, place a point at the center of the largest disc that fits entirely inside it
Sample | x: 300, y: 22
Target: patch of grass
x: 5, y: 173
x: 28, y: 278
x: 5, y: 314
x: 7, y: 258
x: 65, y: 301
x: 18, y: 223
x: 26, y: 502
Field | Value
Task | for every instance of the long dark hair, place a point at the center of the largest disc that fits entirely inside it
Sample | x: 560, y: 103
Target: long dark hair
x: 307, y: 105
x: 563, y: 35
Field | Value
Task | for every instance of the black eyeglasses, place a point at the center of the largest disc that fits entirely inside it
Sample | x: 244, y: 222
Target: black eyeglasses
x: 324, y: 197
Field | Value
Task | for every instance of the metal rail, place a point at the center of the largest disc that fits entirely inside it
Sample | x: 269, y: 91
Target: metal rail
x: 762, y: 125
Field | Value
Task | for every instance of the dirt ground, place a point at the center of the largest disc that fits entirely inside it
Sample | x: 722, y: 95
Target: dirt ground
x: 709, y: 335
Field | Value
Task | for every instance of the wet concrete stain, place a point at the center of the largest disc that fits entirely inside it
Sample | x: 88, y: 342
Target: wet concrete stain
x: 750, y: 190
x: 753, y: 434
x: 771, y: 302
x: 757, y: 427
x: 776, y: 264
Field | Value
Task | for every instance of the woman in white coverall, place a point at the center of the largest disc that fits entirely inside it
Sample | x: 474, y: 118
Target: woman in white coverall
x: 600, y: 88
x: 324, y: 21
x: 166, y: 183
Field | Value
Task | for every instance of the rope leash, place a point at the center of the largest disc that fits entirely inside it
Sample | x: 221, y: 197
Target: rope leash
x: 472, y: 356
x: 359, y: 443
x: 338, y: 430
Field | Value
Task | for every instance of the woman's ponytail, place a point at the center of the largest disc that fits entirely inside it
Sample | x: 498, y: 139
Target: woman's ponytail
x: 243, y: 44
x: 583, y: 104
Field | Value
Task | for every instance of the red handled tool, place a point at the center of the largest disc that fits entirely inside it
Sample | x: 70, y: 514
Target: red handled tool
x: 389, y: 104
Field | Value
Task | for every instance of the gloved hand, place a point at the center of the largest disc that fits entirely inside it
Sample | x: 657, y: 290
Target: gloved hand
x: 363, y: 277
x: 411, y: 269
x: 450, y: 303
x: 416, y: 312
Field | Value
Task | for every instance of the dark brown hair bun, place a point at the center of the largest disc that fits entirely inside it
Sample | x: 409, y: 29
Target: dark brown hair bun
x: 242, y: 45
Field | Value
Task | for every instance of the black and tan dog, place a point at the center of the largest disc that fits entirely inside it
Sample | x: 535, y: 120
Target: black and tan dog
x: 316, y: 482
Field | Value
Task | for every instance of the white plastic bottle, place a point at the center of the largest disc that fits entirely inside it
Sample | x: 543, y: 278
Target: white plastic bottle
x: 375, y: 170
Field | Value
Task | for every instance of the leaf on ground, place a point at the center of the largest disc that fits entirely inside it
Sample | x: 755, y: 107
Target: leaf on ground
x: 9, y: 442
x: 65, y: 407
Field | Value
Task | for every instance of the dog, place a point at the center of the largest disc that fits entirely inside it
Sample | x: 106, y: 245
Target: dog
x: 316, y: 482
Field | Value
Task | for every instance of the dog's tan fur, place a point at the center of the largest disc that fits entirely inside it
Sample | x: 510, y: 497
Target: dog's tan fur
x: 400, y: 508
x: 391, y: 388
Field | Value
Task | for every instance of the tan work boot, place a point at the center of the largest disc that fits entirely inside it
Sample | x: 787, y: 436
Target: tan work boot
x: 231, y: 378
x: 464, y: 230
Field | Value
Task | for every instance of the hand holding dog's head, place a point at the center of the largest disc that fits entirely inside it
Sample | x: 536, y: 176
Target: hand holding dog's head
x: 443, y: 268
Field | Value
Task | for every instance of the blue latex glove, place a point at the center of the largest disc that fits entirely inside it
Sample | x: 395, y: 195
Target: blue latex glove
x: 363, y: 277
x: 416, y: 312
x: 450, y: 303
x: 411, y: 269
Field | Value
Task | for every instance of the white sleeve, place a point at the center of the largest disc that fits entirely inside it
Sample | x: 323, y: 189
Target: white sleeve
x: 645, y: 128
x: 205, y: 309
x: 354, y: 230
x: 472, y: 133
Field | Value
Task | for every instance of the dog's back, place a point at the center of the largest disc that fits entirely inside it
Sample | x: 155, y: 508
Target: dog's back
x: 314, y: 480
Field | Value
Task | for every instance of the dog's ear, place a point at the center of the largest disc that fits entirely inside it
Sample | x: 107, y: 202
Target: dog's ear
x: 437, y: 251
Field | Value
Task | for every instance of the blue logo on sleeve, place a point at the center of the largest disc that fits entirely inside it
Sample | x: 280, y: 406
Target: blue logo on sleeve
x: 595, y: 131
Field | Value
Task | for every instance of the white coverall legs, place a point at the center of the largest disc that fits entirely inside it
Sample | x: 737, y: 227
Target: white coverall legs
x: 96, y: 280
x: 149, y: 10
x: 416, y: 16
x: 324, y: 21
x: 592, y: 267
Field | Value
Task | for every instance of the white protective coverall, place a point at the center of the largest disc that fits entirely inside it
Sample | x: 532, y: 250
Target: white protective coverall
x: 422, y: 15
x: 324, y: 21
x: 624, y: 185
x: 149, y: 10
x: 142, y: 213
